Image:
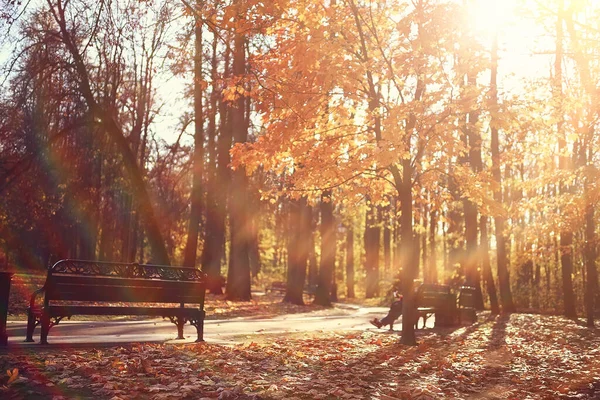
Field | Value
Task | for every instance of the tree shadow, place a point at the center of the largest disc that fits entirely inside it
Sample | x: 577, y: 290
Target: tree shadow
x: 497, y: 339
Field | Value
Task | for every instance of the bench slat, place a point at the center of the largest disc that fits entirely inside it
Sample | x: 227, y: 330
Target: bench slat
x: 118, y: 281
x: 125, y: 293
x: 95, y: 310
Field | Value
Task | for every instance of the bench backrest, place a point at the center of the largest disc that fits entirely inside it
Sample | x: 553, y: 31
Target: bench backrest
x: 466, y: 297
x: 79, y: 280
x: 436, y: 296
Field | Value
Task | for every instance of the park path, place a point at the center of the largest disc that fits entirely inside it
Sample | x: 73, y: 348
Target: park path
x: 342, y: 317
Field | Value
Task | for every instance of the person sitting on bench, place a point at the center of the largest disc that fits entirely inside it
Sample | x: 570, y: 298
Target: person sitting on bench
x: 393, y: 314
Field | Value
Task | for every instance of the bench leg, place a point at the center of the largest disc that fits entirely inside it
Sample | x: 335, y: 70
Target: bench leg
x: 31, y: 324
x: 419, y: 316
x: 180, y: 322
x: 199, y: 324
x: 45, y: 321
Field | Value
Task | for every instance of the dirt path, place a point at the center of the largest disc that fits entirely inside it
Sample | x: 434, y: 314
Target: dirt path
x: 341, y: 318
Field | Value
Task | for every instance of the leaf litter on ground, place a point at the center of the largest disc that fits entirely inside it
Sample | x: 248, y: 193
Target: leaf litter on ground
x: 518, y: 356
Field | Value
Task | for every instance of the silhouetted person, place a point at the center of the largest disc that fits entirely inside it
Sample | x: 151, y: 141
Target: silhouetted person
x: 393, y: 314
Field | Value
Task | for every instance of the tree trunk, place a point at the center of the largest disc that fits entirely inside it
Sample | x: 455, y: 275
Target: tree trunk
x: 432, y: 259
x: 238, y: 277
x: 487, y: 267
x: 387, y: 244
x: 371, y: 243
x: 298, y: 227
x: 253, y: 239
x: 501, y: 254
x: 454, y: 233
x: 473, y: 143
x: 350, y: 261
x: 590, y: 173
x: 410, y: 264
x: 191, y: 247
x: 313, y: 265
x: 566, y: 236
x: 327, y: 265
x: 591, y: 288
x: 216, y: 198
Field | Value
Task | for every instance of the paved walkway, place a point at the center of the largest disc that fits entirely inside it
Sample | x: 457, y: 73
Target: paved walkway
x: 235, y: 330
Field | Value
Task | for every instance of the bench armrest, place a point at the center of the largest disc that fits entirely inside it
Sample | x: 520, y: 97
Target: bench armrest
x: 34, y: 295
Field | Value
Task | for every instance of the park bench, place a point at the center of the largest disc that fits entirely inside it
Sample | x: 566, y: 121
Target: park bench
x: 310, y: 290
x: 281, y: 287
x: 438, y: 300
x: 466, y: 303
x: 276, y: 286
x: 78, y: 287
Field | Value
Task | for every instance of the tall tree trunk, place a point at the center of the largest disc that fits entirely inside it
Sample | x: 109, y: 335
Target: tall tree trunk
x: 423, y: 246
x: 566, y: 236
x: 454, y: 239
x: 253, y: 239
x: 387, y: 243
x: 298, y: 227
x: 499, y: 220
x: 371, y: 243
x: 327, y: 264
x: 409, y: 262
x: 238, y: 277
x: 590, y: 172
x: 216, y: 209
x: 350, y: 261
x: 191, y: 247
x: 591, y: 288
x: 313, y: 265
x: 432, y: 259
x: 472, y: 140
x: 487, y: 267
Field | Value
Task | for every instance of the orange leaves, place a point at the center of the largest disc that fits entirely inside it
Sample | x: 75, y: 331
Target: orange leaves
x: 12, y: 375
x: 518, y: 356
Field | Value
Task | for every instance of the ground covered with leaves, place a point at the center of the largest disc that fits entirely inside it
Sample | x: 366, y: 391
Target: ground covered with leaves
x: 518, y: 356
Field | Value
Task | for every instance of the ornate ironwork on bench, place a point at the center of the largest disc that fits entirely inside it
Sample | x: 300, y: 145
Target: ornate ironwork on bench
x: 72, y: 283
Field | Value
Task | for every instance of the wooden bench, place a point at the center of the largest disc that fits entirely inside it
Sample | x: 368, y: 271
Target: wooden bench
x: 281, y: 287
x: 310, y: 290
x: 466, y: 303
x: 436, y: 299
x: 277, y: 286
x: 78, y: 287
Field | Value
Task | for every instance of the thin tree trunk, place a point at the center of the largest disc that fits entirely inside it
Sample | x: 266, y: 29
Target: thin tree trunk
x: 410, y: 264
x: 350, y: 261
x: 238, y: 277
x: 499, y: 220
x: 432, y: 259
x: 566, y: 236
x: 191, y: 247
x: 371, y: 243
x: 313, y: 265
x: 591, y: 289
x: 487, y: 267
x: 298, y: 226
x: 591, y: 173
x: 387, y: 244
x: 423, y: 247
x: 216, y: 215
x: 327, y: 265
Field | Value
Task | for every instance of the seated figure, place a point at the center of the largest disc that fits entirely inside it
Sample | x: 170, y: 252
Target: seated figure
x: 393, y: 314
